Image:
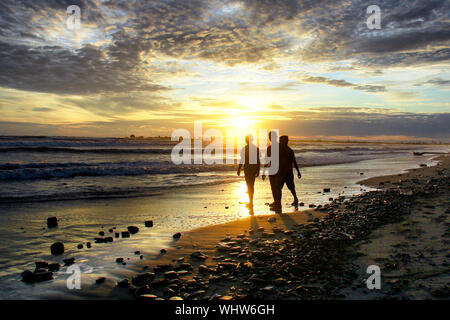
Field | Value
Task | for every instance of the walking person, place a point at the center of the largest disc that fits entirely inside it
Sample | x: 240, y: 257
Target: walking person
x: 274, y: 177
x: 287, y: 161
x: 251, y: 163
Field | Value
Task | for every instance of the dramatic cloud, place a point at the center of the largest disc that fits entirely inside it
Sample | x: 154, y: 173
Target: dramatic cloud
x: 141, y: 59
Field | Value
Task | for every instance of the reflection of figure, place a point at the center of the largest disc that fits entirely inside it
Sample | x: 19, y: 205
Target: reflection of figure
x: 274, y: 178
x: 250, y: 161
x: 287, y: 159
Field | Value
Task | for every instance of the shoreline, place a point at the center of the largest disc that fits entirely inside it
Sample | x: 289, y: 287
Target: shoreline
x: 227, y: 254
x: 223, y: 272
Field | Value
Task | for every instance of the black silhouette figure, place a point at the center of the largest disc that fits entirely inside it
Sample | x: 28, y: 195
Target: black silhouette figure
x: 287, y: 160
x: 251, y: 163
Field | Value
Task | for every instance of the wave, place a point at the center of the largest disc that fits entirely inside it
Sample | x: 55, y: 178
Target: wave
x: 77, y: 150
x: 45, y: 170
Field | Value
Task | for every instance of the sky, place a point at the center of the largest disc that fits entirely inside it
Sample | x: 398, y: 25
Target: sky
x: 310, y: 68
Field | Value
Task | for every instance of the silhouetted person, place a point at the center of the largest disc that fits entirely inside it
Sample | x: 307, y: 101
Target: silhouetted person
x: 251, y: 163
x: 287, y: 160
x: 274, y: 177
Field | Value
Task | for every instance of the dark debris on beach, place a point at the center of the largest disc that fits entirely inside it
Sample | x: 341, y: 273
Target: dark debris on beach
x: 310, y: 261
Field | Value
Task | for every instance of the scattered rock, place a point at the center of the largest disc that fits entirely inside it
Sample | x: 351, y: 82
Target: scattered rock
x: 54, y: 267
x: 80, y: 246
x: 41, y: 264
x: 125, y: 234
x: 57, y: 248
x: 148, y: 223
x: 88, y: 245
x: 69, y: 261
x: 125, y: 283
x: 52, y: 222
x: 100, y: 280
x: 101, y: 233
x: 177, y: 235
x: 272, y: 219
x: 119, y: 260
x: 132, y: 229
x: 326, y: 190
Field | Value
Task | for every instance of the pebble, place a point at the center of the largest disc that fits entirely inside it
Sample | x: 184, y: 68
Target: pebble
x: 132, y: 229
x: 148, y: 223
x: 177, y: 235
x: 57, y: 248
x: 52, y: 222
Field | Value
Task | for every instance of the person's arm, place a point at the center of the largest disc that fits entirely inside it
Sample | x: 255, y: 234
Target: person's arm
x: 299, y: 175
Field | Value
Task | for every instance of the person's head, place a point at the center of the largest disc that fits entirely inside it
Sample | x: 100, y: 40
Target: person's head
x: 284, y: 140
x: 273, y: 135
x: 248, y: 139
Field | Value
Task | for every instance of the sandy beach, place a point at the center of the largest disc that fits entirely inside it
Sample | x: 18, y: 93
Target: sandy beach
x: 320, y: 253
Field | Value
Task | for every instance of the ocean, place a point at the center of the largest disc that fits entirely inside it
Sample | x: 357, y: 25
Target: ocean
x: 64, y: 168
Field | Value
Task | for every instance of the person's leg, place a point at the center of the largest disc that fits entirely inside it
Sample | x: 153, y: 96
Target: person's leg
x: 276, y: 191
x: 291, y: 186
x: 250, y: 180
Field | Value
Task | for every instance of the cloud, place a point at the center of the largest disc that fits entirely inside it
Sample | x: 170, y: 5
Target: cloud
x: 344, y: 84
x: 436, y: 82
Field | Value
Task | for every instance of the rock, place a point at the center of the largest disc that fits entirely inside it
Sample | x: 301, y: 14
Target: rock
x: 117, y: 234
x: 125, y: 234
x: 125, y: 283
x: 301, y: 204
x: 141, y: 257
x: 27, y: 276
x: 52, y: 222
x: 148, y: 223
x: 423, y: 165
x: 330, y: 199
x: 311, y: 205
x: 54, y: 266
x: 57, y: 248
x: 119, y: 260
x: 170, y: 275
x: 101, y: 233
x: 88, y: 245
x: 163, y: 251
x: 137, y: 252
x: 226, y: 207
x: 176, y: 298
x: 272, y: 219
x: 326, y: 190
x: 110, y: 230
x: 203, y: 269
x: 30, y: 277
x: 133, y: 229
x: 198, y: 255
x: 177, y: 235
x: 41, y: 264
x: 80, y: 246
x: 109, y: 239
x: 143, y: 278
x: 100, y: 280
x: 361, y: 173
x: 68, y: 262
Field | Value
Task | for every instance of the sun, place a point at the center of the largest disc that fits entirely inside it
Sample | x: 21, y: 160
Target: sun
x: 242, y: 124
